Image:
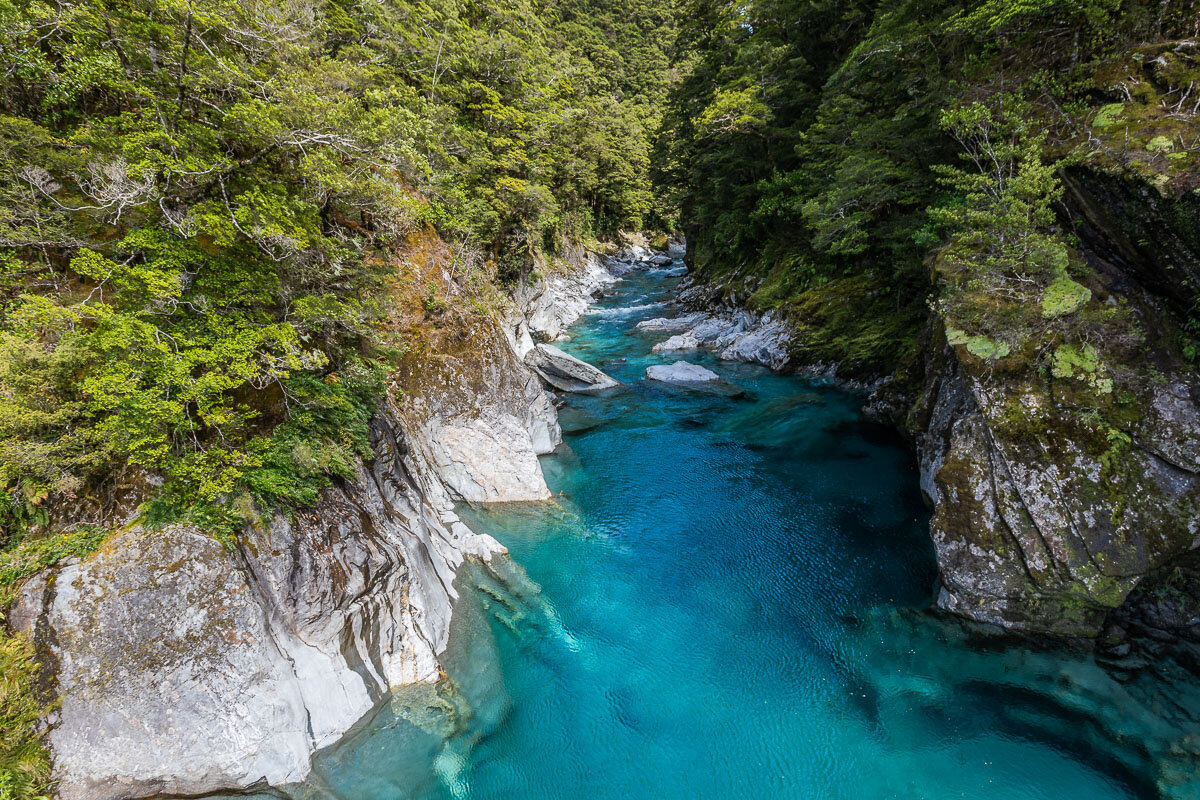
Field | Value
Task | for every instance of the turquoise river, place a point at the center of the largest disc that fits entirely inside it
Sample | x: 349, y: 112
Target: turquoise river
x: 725, y: 601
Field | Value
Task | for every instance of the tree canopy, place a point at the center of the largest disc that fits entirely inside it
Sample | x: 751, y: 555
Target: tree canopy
x: 199, y: 200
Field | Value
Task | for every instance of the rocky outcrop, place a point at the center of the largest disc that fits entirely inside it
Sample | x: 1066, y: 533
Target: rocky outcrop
x: 1065, y: 477
x: 481, y: 414
x: 479, y: 417
x: 681, y: 372
x: 739, y: 336
x: 552, y: 302
x: 566, y: 373
x: 182, y: 668
x: 1051, y: 504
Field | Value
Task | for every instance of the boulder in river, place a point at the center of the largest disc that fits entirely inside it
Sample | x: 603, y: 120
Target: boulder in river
x: 566, y: 372
x: 681, y: 372
x: 673, y: 323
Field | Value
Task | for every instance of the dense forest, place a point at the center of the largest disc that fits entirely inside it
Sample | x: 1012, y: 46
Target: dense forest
x: 201, y: 203
x: 825, y: 151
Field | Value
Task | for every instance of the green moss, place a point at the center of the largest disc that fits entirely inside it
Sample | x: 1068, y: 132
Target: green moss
x: 1160, y: 144
x: 1064, y: 296
x: 1083, y: 364
x: 1108, y: 115
x: 1021, y: 421
x: 982, y: 347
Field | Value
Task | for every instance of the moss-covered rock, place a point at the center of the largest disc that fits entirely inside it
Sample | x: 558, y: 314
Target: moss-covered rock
x: 1067, y: 469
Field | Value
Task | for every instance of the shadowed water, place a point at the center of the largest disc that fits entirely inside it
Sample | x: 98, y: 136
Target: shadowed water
x: 722, y: 603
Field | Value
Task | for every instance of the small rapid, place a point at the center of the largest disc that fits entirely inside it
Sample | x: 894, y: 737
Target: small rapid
x: 724, y: 601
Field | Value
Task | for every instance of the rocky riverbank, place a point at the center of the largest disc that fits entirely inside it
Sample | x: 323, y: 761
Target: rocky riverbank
x: 183, y: 668
x: 1055, y: 493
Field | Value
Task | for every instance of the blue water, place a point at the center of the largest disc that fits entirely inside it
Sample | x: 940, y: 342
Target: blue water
x: 723, y: 601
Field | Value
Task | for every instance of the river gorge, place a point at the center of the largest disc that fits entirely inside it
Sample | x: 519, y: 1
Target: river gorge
x: 725, y: 598
x: 539, y: 399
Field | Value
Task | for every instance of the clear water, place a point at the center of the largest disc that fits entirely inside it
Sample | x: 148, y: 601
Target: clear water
x: 722, y: 602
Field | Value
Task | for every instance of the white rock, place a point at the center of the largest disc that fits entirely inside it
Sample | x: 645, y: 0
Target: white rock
x: 490, y: 458
x: 673, y: 323
x: 553, y: 303
x: 567, y: 373
x: 482, y: 445
x: 680, y: 341
x: 681, y: 372
x: 736, y: 337
x: 184, y: 669
x: 766, y: 344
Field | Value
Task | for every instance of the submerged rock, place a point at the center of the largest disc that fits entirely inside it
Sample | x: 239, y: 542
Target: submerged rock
x: 681, y: 372
x: 567, y: 373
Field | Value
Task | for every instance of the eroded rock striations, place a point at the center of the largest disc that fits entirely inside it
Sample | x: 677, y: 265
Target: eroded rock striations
x: 183, y: 668
x: 567, y: 373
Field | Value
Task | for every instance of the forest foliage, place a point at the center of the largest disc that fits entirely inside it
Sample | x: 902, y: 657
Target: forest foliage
x: 817, y: 142
x: 201, y: 205
x: 200, y: 200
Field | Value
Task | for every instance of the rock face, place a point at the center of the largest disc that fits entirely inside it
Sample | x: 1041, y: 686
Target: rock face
x: 183, y: 668
x: 1058, y: 491
x: 551, y: 304
x: 1157, y: 628
x: 480, y: 418
x: 681, y: 372
x: 566, y: 372
x: 1031, y: 530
